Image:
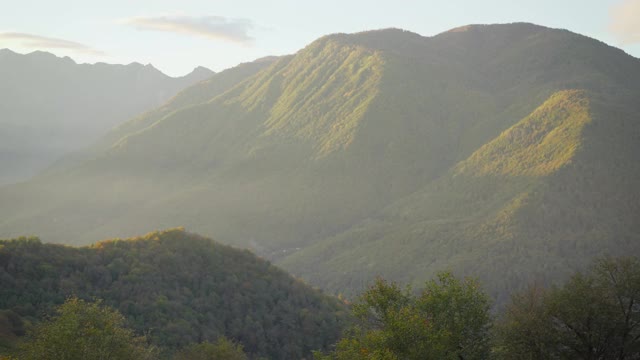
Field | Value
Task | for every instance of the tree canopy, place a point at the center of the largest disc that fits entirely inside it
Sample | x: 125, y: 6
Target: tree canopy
x: 595, y: 315
x: 221, y: 349
x: 448, y: 319
x: 179, y: 287
x: 84, y: 330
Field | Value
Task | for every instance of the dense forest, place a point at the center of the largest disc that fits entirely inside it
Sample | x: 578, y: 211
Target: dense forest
x: 176, y: 288
x: 505, y: 151
x: 594, y: 315
x: 504, y: 155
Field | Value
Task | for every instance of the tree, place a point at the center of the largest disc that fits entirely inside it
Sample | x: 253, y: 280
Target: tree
x: 595, y: 315
x: 526, y: 331
x: 449, y: 319
x: 222, y: 349
x: 83, y: 330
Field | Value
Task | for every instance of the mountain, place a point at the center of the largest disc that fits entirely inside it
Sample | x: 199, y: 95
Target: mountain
x: 503, y: 151
x: 175, y: 287
x: 51, y: 106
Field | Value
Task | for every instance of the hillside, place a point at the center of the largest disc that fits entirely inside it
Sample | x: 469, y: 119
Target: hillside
x: 175, y: 287
x: 532, y: 204
x: 503, y: 151
x: 51, y: 106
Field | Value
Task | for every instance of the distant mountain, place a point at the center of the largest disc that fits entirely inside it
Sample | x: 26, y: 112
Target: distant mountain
x: 176, y: 288
x: 503, y: 151
x: 50, y: 106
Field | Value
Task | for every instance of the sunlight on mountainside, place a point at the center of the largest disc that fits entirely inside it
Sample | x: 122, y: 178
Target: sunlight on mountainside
x: 377, y: 186
x: 539, y: 144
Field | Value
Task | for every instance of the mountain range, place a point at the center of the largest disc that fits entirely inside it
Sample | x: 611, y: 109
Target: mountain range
x: 51, y: 106
x: 507, y: 152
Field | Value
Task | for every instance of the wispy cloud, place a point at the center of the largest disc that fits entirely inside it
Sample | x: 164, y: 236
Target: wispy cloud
x: 212, y: 27
x: 625, y: 21
x: 32, y: 41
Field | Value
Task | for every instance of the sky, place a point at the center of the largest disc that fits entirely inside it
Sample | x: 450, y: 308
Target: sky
x: 177, y: 36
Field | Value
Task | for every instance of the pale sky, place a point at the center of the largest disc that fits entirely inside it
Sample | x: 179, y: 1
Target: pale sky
x: 176, y: 36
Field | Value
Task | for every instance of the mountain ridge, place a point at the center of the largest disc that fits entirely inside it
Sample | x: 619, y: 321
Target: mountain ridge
x: 52, y: 105
x: 48, y: 55
x: 463, y: 146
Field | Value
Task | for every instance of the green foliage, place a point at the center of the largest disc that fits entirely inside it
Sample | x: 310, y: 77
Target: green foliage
x: 507, y: 152
x: 222, y: 349
x: 179, y: 287
x: 522, y: 207
x: 87, y: 331
x: 449, y: 319
x: 12, y: 327
x: 595, y: 315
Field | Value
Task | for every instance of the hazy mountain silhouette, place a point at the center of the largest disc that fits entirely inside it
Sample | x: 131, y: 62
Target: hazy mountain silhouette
x: 51, y: 105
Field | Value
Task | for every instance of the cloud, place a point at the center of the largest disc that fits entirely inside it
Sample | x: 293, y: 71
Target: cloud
x: 625, y: 21
x: 42, y: 42
x: 212, y: 27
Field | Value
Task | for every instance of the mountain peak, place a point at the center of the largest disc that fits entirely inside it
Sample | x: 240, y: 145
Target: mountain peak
x: 266, y: 59
x: 379, y: 35
x: 201, y: 71
x: 47, y: 56
x: 41, y: 53
x: 517, y: 26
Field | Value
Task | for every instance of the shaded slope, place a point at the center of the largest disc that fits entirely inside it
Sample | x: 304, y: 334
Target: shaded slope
x: 177, y: 288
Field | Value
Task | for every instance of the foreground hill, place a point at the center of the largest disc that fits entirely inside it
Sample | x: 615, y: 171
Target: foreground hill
x: 50, y: 106
x: 177, y: 288
x: 503, y: 151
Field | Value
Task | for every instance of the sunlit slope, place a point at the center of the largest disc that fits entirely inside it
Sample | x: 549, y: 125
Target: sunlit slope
x: 215, y: 151
x: 301, y: 150
x: 539, y: 200
x: 326, y: 160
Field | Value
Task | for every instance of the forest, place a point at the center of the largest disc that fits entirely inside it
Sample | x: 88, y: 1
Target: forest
x: 504, y: 151
x: 379, y: 195
x: 175, y: 295
x: 173, y: 287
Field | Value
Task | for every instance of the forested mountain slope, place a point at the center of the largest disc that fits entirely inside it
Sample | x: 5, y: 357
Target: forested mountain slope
x: 539, y: 200
x: 175, y: 287
x: 503, y: 151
